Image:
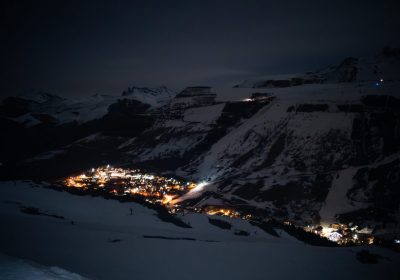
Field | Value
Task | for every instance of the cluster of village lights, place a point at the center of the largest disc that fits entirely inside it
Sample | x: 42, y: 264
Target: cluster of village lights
x: 119, y: 181
x: 170, y: 192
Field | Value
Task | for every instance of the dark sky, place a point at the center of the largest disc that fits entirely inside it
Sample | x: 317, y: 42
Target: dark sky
x: 87, y: 47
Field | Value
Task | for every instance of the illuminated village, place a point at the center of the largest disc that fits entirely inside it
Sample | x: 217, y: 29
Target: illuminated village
x: 342, y: 234
x: 119, y: 181
x: 167, y: 191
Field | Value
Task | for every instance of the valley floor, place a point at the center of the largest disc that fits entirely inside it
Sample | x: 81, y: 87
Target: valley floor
x: 100, y: 239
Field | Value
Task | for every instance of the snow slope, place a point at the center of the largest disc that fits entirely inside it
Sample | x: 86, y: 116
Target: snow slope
x: 17, y: 269
x: 105, y: 242
x: 336, y: 201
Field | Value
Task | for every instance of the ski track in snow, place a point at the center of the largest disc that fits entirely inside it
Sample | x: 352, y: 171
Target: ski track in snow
x: 337, y: 201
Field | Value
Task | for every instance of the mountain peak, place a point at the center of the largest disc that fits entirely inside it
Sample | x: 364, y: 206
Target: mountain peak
x: 39, y: 96
x: 155, y: 97
x: 196, y: 91
x: 385, y: 65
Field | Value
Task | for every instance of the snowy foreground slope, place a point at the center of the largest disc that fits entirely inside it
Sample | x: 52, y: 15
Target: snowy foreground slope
x: 99, y: 239
x: 16, y: 269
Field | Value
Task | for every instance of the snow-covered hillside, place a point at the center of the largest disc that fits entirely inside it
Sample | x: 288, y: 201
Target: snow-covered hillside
x: 17, y: 269
x: 99, y: 239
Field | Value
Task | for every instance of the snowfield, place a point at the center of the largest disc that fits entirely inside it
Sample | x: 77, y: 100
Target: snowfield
x: 17, y: 269
x: 99, y: 239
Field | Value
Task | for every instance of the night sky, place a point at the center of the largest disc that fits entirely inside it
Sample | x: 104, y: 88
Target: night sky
x: 85, y: 47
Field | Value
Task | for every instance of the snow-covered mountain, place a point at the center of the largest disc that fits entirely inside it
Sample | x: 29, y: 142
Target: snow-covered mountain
x: 35, y: 107
x: 155, y: 97
x: 383, y: 66
x: 284, y: 156
x: 297, y: 154
x: 316, y: 148
x: 50, y: 121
